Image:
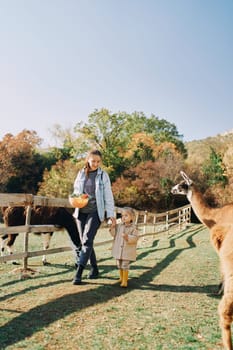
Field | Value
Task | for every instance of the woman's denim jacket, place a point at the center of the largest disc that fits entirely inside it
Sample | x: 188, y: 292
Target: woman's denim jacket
x: 103, y: 193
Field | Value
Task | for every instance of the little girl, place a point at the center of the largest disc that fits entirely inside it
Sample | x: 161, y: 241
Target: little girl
x: 125, y: 243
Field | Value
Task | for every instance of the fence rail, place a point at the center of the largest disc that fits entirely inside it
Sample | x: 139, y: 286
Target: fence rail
x: 147, y: 222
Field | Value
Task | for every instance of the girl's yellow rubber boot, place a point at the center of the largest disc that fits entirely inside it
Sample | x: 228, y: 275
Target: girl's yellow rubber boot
x: 121, y: 275
x: 124, y: 282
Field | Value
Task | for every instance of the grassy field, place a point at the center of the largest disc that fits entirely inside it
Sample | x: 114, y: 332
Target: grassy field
x: 170, y: 303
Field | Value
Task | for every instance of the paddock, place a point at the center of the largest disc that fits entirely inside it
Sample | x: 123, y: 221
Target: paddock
x: 170, y: 302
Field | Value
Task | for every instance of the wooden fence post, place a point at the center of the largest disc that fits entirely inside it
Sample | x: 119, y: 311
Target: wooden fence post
x: 145, y: 222
x: 167, y: 220
x: 26, y: 236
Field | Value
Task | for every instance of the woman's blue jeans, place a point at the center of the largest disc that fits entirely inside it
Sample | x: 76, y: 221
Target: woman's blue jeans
x: 88, y: 224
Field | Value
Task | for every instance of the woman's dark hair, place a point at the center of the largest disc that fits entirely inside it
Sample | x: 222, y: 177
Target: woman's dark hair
x: 94, y: 152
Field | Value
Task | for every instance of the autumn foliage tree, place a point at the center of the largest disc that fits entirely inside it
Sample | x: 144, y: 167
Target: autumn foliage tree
x: 148, y: 184
x: 17, y: 169
x: 21, y: 165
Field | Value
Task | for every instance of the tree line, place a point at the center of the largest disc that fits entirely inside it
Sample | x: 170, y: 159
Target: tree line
x: 143, y: 156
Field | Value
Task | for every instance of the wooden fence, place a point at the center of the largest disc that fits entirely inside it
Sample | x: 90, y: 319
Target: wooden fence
x: 148, y: 223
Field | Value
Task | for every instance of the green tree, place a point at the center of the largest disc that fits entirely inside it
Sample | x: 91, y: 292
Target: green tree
x: 66, y: 142
x: 58, y: 182
x: 112, y: 134
x: 214, y: 169
x: 108, y: 132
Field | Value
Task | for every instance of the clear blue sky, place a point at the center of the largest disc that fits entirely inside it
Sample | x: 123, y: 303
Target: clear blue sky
x: 61, y: 59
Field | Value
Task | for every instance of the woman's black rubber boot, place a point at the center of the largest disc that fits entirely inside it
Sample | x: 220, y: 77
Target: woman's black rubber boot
x: 94, y: 272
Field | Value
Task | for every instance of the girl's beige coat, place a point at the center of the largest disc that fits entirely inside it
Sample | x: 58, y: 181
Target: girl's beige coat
x: 122, y: 249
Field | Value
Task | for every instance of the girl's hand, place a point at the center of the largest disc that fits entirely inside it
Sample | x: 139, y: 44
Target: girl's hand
x: 113, y: 222
x: 125, y: 236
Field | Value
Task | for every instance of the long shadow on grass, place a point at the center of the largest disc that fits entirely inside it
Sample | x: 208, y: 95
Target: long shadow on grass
x: 66, y: 269
x: 211, y: 290
x: 42, y: 316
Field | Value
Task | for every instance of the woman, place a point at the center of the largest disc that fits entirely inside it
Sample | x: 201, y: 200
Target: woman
x: 95, y: 182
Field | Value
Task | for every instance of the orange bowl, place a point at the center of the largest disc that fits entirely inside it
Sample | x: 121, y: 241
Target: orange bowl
x: 78, y: 202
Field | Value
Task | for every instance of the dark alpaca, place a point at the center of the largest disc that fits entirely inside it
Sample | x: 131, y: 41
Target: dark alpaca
x: 58, y: 216
x: 220, y: 223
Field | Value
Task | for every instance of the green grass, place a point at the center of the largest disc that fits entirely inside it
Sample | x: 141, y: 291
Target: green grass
x: 170, y: 302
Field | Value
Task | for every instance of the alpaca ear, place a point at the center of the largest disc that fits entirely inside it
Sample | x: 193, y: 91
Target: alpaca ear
x: 187, y: 180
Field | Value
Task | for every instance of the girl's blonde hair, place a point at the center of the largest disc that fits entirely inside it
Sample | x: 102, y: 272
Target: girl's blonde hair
x: 130, y: 211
